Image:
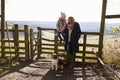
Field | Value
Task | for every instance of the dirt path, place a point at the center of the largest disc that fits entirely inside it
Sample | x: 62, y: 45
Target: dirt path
x: 41, y: 71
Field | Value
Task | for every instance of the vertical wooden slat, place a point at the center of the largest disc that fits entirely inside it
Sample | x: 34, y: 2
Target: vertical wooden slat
x: 39, y: 42
x: 16, y: 39
x: 26, y: 28
x: 84, y: 48
x: 2, y: 27
x: 56, y: 41
x: 2, y: 43
x: 2, y: 15
x: 31, y: 44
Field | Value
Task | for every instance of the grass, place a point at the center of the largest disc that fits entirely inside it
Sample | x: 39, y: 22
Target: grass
x: 111, y: 51
x: 4, y: 69
x: 4, y: 65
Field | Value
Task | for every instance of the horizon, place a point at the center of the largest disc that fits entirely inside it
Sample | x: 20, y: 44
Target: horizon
x: 114, y: 22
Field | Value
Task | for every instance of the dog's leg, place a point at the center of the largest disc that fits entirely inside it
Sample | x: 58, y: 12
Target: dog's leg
x: 56, y: 67
x: 52, y: 66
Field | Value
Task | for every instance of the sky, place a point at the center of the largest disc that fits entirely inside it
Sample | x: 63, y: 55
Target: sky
x: 49, y: 10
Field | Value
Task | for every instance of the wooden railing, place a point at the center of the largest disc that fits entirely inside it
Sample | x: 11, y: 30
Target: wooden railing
x: 19, y: 46
x: 31, y: 44
x: 48, y: 45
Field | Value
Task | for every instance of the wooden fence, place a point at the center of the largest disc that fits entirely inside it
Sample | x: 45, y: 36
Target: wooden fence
x: 13, y: 45
x: 46, y: 41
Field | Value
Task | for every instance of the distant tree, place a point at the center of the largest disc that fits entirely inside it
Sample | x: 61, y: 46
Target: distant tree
x: 114, y: 31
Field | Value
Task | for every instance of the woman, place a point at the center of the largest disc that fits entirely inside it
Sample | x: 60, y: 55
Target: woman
x: 72, y: 35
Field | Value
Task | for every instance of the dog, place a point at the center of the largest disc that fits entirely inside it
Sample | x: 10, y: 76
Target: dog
x: 57, y: 63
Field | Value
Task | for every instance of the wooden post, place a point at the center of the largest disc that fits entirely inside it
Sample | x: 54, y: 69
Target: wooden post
x: 2, y: 27
x: 102, y: 27
x: 2, y: 43
x: 56, y: 41
x: 31, y: 44
x: 39, y: 36
x: 84, y: 48
x: 26, y: 42
x: 16, y: 44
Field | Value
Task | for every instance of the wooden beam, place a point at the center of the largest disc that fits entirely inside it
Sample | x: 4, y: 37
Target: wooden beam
x: 102, y: 26
x: 113, y: 16
x: 2, y: 16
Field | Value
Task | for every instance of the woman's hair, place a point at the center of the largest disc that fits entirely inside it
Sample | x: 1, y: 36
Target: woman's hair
x: 71, y: 20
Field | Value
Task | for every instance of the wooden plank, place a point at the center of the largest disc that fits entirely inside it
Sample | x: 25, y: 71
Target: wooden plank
x: 56, y: 41
x: 11, y: 30
x: 102, y: 26
x: 7, y: 47
x: 48, y: 48
x: 112, y: 16
x: 8, y: 53
x: 31, y: 44
x: 84, y: 49
x: 92, y: 45
x: 48, y: 29
x: 20, y: 41
x: 21, y: 47
x: 48, y: 40
x: 91, y: 33
x: 92, y: 58
x: 48, y: 44
x: 47, y: 52
x: 11, y: 41
x: 16, y: 39
x: 39, y: 36
x: 2, y: 27
x: 26, y: 33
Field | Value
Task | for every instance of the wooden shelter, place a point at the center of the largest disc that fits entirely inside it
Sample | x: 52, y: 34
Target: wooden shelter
x: 29, y: 55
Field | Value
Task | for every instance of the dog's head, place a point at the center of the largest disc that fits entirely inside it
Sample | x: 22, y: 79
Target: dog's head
x: 54, y: 56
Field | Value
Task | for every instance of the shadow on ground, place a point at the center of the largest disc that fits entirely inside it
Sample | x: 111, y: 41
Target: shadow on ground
x: 78, y: 73
x: 42, y: 71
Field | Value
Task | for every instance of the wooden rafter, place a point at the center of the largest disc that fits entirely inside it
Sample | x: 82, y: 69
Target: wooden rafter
x: 112, y: 16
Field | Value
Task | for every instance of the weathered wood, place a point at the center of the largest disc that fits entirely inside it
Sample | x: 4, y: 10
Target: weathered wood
x: 16, y: 39
x: 2, y: 27
x: 91, y: 33
x: 48, y: 29
x: 31, y: 44
x: 39, y: 35
x: 112, y: 16
x: 84, y: 49
x: 56, y: 41
x: 48, y: 48
x: 48, y: 40
x: 52, y: 47
x: 12, y: 30
x: 102, y: 26
x: 17, y: 48
x: 26, y: 33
